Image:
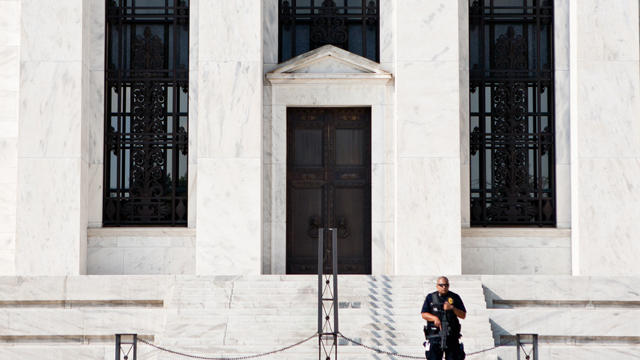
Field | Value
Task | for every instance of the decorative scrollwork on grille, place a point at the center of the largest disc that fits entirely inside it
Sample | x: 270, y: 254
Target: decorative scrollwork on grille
x: 148, y: 157
x: 511, y: 92
x: 509, y: 104
x: 372, y: 14
x: 304, y: 26
x: 146, y: 136
x: 327, y: 28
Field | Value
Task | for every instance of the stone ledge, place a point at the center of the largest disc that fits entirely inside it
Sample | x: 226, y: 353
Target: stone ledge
x: 576, y: 340
x: 64, y: 339
x: 516, y: 232
x: 141, y: 231
x: 508, y: 304
x: 79, y: 303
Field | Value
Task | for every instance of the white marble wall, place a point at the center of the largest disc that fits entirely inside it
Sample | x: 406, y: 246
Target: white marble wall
x: 606, y: 133
x: 52, y: 170
x: 93, y: 109
x: 513, y: 251
x: 562, y: 114
x: 229, y: 140
x: 428, y: 133
x: 134, y: 251
x: 9, y: 90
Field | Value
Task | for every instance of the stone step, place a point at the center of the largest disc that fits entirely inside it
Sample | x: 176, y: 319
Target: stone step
x: 610, y: 322
x: 234, y: 315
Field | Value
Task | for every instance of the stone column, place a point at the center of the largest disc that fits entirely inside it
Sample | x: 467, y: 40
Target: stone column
x: 428, y: 165
x: 229, y: 137
x: 52, y: 167
x: 9, y: 87
x: 605, y: 137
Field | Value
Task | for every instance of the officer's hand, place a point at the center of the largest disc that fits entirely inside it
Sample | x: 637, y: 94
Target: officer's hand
x: 447, y: 306
x: 437, y: 323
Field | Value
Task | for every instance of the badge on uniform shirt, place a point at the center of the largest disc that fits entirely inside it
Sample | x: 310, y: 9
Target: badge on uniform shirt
x: 450, y: 300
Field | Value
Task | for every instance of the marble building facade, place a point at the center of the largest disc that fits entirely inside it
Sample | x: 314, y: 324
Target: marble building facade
x: 52, y: 143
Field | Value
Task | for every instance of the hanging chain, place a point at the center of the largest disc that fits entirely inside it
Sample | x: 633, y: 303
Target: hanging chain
x: 391, y: 353
x: 227, y: 358
x: 371, y: 348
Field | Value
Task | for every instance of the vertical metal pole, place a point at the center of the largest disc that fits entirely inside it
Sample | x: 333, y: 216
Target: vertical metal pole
x: 535, y: 346
x: 320, y: 270
x: 334, y: 255
x: 117, y: 346
x: 135, y: 346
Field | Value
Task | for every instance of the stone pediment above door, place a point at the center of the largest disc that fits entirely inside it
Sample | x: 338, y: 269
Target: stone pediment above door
x: 328, y: 64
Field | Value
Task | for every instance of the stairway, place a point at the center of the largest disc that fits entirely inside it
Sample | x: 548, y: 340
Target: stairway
x: 76, y: 317
x: 575, y: 317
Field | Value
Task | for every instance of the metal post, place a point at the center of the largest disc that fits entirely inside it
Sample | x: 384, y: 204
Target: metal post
x: 327, y: 299
x: 126, y: 345
x: 320, y: 271
x: 334, y: 255
x: 521, y: 341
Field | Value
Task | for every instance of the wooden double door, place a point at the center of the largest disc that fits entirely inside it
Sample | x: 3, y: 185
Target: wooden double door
x: 329, y: 186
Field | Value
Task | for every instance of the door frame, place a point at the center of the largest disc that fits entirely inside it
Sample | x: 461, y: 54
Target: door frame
x: 371, y: 93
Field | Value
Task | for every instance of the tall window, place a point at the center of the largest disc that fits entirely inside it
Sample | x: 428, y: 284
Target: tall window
x: 512, y: 112
x: 146, y: 116
x: 349, y: 24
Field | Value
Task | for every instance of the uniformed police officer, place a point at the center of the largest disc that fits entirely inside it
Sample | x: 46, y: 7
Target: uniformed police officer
x: 438, y: 304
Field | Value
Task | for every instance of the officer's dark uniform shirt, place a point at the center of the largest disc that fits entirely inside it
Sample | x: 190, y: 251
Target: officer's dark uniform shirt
x: 429, y: 307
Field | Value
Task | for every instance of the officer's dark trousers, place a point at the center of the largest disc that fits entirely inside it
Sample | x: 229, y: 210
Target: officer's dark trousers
x: 452, y: 352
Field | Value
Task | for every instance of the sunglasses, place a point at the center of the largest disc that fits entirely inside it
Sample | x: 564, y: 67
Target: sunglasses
x: 443, y: 285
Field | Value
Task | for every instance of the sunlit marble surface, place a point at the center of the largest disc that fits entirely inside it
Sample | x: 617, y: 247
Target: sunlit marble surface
x: 428, y: 129
x: 52, y: 168
x: 140, y: 251
x: 516, y: 251
x: 9, y: 90
x: 607, y: 168
x: 228, y: 144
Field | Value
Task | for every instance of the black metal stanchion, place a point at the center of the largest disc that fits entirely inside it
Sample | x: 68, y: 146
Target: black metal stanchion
x: 327, y: 299
x: 126, y: 346
x: 521, y: 340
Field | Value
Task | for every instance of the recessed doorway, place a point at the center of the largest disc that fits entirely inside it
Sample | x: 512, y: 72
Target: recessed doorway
x: 329, y: 186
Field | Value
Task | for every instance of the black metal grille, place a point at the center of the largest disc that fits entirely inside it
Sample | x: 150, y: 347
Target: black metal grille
x: 512, y: 151
x: 308, y: 24
x: 146, y: 114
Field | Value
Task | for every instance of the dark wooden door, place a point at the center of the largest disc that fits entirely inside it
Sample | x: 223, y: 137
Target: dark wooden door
x: 329, y: 185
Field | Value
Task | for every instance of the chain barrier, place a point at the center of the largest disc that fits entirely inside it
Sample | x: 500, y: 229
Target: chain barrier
x: 371, y: 348
x: 392, y: 353
x: 227, y: 358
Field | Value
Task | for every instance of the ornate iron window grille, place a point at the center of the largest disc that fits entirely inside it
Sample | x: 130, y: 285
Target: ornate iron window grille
x: 146, y: 112
x: 512, y: 145
x: 305, y: 25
